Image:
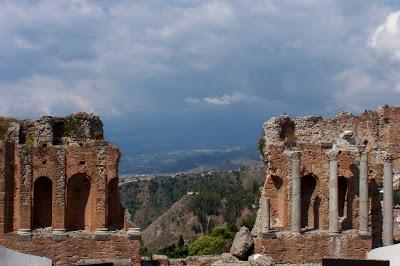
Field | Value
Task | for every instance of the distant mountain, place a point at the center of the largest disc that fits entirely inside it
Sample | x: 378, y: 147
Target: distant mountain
x: 189, y: 161
x: 191, y: 204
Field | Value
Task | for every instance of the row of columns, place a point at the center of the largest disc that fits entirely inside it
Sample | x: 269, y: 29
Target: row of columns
x: 333, y: 194
x: 333, y: 197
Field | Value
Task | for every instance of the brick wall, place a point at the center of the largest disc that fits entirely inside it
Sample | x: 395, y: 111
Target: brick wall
x: 60, y: 172
x: 76, y: 248
x: 314, y: 136
x: 312, y: 247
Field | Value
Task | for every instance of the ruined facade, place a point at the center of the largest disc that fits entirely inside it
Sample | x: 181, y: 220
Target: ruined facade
x: 59, y: 190
x: 323, y: 176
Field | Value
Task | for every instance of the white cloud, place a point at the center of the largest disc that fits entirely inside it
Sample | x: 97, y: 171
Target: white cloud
x: 386, y: 38
x: 226, y: 99
x: 192, y: 100
x: 117, y: 57
x: 42, y: 95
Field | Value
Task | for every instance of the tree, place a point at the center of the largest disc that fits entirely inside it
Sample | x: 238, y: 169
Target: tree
x: 217, y: 242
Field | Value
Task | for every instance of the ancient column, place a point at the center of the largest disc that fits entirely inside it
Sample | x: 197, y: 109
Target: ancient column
x: 387, y: 201
x: 296, y: 192
x: 265, y: 214
x: 333, y: 192
x: 363, y: 187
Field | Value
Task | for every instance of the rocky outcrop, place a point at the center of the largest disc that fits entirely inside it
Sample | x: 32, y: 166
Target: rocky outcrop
x: 225, y: 259
x: 243, y: 244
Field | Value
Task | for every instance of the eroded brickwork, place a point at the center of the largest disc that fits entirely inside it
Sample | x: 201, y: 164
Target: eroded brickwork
x: 374, y: 132
x: 58, y: 174
x: 77, y: 248
x: 312, y: 247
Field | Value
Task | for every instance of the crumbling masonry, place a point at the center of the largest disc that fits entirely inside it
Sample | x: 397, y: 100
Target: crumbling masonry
x: 59, y: 191
x: 321, y: 194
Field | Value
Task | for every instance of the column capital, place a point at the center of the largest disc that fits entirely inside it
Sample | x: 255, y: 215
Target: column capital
x: 387, y: 158
x: 332, y: 155
x: 363, y: 156
x: 383, y: 157
x: 295, y: 155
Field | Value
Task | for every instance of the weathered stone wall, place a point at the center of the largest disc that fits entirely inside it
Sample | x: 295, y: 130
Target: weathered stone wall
x: 59, y: 148
x: 6, y: 187
x: 59, y: 172
x: 312, y: 247
x: 76, y: 248
x: 314, y: 137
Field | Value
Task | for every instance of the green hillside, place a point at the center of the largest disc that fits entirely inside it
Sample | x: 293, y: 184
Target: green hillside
x: 219, y: 198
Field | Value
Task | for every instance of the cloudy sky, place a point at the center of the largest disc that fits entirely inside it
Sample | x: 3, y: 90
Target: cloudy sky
x: 180, y: 74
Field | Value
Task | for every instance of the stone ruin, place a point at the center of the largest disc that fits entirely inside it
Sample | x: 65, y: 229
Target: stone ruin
x: 59, y: 191
x: 323, y: 176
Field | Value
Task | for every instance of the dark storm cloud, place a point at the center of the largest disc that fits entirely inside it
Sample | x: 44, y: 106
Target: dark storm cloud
x: 196, y: 73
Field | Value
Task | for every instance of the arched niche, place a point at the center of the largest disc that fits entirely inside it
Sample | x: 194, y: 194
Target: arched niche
x: 115, y: 214
x: 80, y: 203
x: 276, y: 191
x: 42, y: 202
x: 310, y: 202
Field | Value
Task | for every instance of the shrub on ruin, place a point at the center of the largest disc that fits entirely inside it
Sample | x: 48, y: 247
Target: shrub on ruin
x: 224, y: 232
x: 207, y: 245
x: 261, y: 145
x: 219, y: 241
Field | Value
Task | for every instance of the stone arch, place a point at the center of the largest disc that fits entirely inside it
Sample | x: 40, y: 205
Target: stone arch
x: 80, y: 205
x: 276, y: 191
x: 310, y: 202
x: 115, y: 213
x: 42, y: 202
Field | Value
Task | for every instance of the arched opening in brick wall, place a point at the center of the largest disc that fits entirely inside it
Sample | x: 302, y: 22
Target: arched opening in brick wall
x: 275, y: 190
x: 310, y: 202
x: 42, y: 202
x: 79, y: 203
x: 115, y: 217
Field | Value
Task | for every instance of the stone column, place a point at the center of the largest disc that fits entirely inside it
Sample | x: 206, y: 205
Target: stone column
x: 387, y: 201
x: 363, y: 187
x: 333, y: 192
x: 296, y: 192
x: 265, y: 214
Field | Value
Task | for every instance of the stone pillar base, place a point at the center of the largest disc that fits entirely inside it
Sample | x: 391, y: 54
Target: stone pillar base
x: 59, y: 234
x: 334, y: 233
x: 271, y: 235
x: 364, y: 234
x: 134, y: 233
x: 101, y: 234
x: 24, y: 234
